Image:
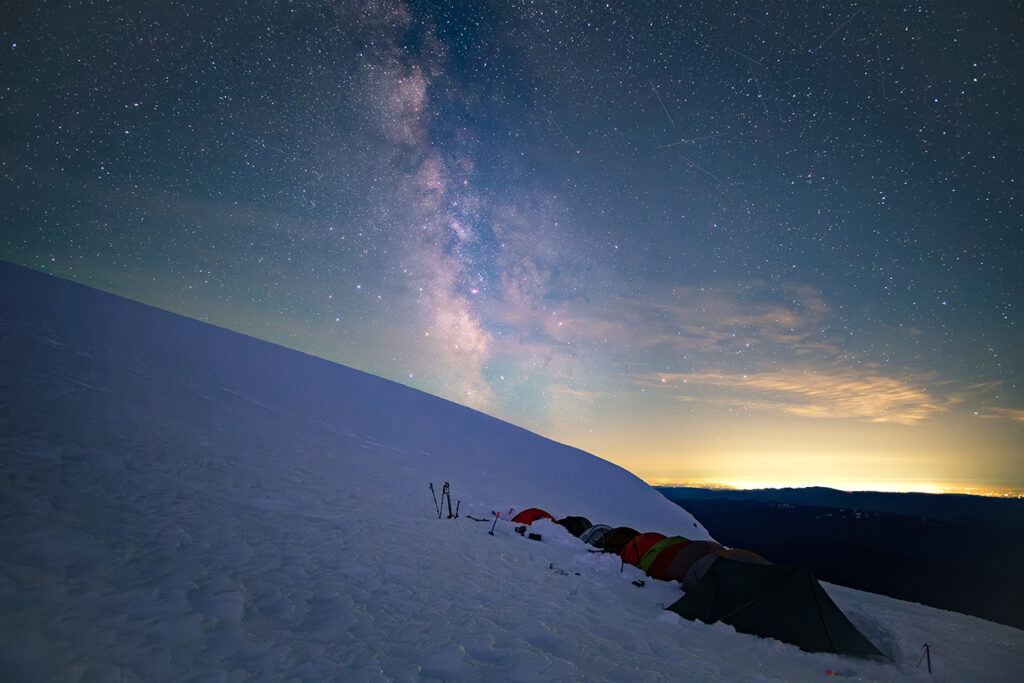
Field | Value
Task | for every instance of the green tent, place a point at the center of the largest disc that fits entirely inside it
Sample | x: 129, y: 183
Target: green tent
x: 655, y: 550
x: 781, y: 601
x: 638, y: 546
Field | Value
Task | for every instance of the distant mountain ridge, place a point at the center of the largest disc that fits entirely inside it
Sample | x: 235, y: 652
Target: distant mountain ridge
x: 1004, y: 512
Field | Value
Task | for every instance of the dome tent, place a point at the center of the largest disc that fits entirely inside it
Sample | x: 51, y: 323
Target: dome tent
x: 531, y: 515
x: 594, y: 534
x: 658, y: 569
x: 638, y: 545
x: 686, y: 556
x: 655, y: 550
x: 575, y: 525
x: 616, y: 539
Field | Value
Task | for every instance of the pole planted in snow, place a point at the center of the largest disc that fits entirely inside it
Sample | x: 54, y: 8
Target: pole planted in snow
x: 927, y: 654
x: 437, y: 507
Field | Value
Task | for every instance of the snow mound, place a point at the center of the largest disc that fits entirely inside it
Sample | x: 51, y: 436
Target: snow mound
x: 180, y: 502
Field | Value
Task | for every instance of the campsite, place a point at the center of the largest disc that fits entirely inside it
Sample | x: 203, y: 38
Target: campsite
x: 183, y: 501
x: 735, y: 586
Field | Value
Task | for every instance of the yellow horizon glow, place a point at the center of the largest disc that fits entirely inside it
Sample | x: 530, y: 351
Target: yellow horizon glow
x: 846, y: 485
x: 957, y: 455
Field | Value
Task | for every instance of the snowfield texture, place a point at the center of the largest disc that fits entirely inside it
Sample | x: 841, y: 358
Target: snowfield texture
x: 179, y: 502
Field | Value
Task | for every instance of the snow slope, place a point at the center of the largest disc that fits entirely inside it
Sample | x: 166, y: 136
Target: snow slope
x: 179, y: 502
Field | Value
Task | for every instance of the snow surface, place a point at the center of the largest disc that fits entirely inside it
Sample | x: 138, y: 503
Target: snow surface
x: 179, y: 502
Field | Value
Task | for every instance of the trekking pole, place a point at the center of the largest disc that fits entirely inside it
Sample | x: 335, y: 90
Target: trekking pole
x: 927, y: 654
x: 496, y: 515
x: 436, y: 506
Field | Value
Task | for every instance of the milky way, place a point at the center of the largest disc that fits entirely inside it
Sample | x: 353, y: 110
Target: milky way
x: 739, y: 241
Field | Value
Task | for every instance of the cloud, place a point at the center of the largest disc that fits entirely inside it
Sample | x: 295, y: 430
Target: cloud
x: 985, y: 394
x: 825, y: 392
x: 1010, y: 414
x: 695, y: 323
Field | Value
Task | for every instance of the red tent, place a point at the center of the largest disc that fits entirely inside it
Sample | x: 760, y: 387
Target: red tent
x: 638, y: 546
x: 659, y: 568
x: 531, y: 515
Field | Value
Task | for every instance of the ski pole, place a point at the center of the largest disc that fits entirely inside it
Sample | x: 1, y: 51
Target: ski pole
x: 496, y: 515
x: 928, y: 654
x: 437, y: 507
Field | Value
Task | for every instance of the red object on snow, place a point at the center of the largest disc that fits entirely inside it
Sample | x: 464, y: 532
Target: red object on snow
x: 638, y: 545
x: 531, y: 515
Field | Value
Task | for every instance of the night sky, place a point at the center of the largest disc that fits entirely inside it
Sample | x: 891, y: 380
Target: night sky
x: 739, y: 242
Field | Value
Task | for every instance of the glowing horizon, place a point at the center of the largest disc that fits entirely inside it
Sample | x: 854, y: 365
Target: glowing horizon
x: 866, y: 486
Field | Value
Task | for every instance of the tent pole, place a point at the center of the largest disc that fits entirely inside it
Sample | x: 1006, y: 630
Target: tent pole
x: 817, y: 604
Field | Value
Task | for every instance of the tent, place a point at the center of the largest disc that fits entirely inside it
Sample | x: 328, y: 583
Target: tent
x: 638, y: 545
x: 701, y: 566
x: 781, y: 601
x: 661, y: 564
x: 617, y: 538
x: 655, y: 550
x: 686, y: 556
x: 531, y: 515
x: 594, y: 534
x: 575, y: 525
